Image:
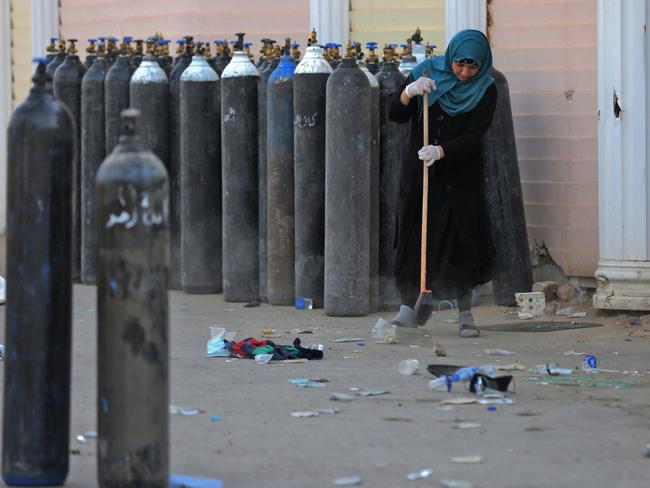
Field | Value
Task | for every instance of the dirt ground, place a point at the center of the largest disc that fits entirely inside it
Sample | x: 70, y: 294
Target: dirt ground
x: 552, y: 436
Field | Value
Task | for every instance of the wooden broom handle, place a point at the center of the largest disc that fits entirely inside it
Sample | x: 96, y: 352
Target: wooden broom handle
x: 425, y: 190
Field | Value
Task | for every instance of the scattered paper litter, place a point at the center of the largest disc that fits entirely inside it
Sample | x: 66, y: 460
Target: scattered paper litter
x: 467, y: 459
x: 81, y: 439
x: 305, y: 414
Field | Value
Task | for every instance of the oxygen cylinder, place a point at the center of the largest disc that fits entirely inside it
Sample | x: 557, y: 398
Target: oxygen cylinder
x: 111, y: 50
x: 239, y: 172
x: 138, y: 53
x: 347, y: 191
x: 116, y: 98
x: 310, y: 83
x: 511, y: 267
x: 132, y: 315
x: 374, y: 189
x: 372, y: 62
x: 280, y: 184
x: 36, y: 420
x: 93, y: 151
x: 200, y: 178
x: 149, y: 92
x: 51, y: 49
x: 391, y: 141
x: 222, y: 56
x: 407, y: 61
x: 91, y: 55
x: 58, y: 58
x: 263, y: 160
x: 67, y: 88
x: 174, y: 166
x: 165, y: 61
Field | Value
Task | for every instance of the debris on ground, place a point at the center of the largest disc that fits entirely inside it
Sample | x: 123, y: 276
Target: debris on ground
x: 419, y: 475
x: 512, y: 367
x: 263, y: 358
x: 182, y: 481
x: 552, y: 370
x: 499, y: 352
x: 341, y: 397
x: 309, y: 383
x: 270, y: 333
x: 186, y: 412
x: 252, y: 304
x: 588, y: 381
x: 408, y: 367
x: 384, y: 331
x: 348, y: 481
x: 369, y: 393
x: 467, y: 459
x: 459, y: 401
x: 455, y: 484
x: 250, y: 348
x: 303, y: 303
x: 315, y: 413
x: 216, y: 346
x: 348, y: 339
x: 468, y: 425
x: 566, y: 292
x: 439, y: 350
x: 531, y: 304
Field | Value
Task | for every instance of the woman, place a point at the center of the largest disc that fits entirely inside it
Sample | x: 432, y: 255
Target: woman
x: 462, y: 99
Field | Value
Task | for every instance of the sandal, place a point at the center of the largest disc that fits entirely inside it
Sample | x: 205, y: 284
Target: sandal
x: 468, y: 330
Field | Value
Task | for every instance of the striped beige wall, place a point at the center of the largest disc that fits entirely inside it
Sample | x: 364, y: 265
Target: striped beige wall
x: 391, y: 21
x: 548, y: 51
x: 205, y: 19
x: 21, y: 49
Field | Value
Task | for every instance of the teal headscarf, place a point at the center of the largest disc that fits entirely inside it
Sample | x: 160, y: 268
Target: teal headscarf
x: 456, y: 97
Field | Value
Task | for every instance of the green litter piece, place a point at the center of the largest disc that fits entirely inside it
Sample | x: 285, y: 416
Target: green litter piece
x: 586, y: 381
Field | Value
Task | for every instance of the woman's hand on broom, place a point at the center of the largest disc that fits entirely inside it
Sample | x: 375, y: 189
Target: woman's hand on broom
x: 430, y: 154
x: 420, y: 86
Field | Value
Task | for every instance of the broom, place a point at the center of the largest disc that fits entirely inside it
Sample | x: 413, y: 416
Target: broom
x: 424, y: 305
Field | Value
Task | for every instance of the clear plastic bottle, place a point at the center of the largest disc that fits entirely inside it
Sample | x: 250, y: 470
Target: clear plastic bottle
x: 439, y: 384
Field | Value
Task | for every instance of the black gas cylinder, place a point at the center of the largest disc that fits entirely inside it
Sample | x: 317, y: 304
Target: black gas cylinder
x: 348, y: 191
x: 200, y: 178
x: 36, y: 412
x: 132, y: 315
x: 93, y: 151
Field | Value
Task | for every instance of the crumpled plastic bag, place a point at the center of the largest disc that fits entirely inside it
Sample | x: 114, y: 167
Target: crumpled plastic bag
x: 216, y: 346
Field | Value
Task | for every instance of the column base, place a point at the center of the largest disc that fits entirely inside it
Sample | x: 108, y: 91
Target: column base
x: 623, y: 285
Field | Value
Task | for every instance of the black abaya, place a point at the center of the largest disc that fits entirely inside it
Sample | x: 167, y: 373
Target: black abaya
x: 459, y: 248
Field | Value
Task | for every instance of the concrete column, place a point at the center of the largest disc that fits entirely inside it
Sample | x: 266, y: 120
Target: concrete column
x: 623, y: 272
x: 465, y: 14
x: 331, y: 19
x: 45, y: 24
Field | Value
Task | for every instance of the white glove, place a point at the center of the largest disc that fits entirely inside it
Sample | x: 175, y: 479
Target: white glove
x: 419, y: 86
x: 430, y: 154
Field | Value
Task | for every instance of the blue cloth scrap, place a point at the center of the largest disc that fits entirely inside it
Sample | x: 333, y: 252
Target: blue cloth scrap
x: 181, y: 481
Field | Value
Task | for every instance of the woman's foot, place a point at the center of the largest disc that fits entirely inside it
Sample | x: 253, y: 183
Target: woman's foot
x: 405, y: 317
x: 466, y: 325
